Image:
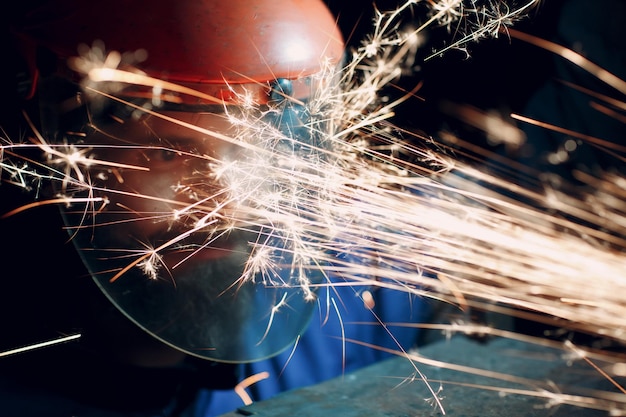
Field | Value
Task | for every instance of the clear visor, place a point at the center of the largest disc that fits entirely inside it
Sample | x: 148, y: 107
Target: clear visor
x: 189, y: 214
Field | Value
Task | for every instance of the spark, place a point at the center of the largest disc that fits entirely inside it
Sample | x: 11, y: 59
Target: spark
x: 40, y: 345
x: 577, y: 59
x: 240, y: 388
x: 282, y: 303
x: 293, y: 351
x: 584, y: 357
x: 343, y: 334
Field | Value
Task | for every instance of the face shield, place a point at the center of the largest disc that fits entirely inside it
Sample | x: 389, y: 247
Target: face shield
x: 184, y: 197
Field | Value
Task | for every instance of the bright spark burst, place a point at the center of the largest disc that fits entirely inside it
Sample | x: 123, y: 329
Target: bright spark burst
x: 367, y: 206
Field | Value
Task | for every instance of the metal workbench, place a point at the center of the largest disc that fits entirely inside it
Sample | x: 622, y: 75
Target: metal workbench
x: 394, y: 388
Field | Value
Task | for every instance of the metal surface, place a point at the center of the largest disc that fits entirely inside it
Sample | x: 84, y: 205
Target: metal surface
x: 393, y: 388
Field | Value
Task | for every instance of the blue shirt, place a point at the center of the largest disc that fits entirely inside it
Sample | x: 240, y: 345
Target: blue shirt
x: 326, y: 349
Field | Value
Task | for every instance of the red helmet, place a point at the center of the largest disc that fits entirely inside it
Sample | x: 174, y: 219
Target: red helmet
x: 205, y: 43
x: 166, y: 273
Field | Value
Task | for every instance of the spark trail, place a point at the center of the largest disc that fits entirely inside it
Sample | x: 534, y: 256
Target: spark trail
x: 360, y: 204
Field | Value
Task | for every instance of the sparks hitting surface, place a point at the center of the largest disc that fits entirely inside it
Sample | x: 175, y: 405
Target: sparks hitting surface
x: 358, y: 204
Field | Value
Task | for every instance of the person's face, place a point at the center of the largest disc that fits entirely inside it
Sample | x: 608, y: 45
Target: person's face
x: 166, y: 181
x: 162, y: 246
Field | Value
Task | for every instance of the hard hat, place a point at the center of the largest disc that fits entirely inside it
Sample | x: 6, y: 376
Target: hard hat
x: 151, y: 234
x: 205, y: 42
